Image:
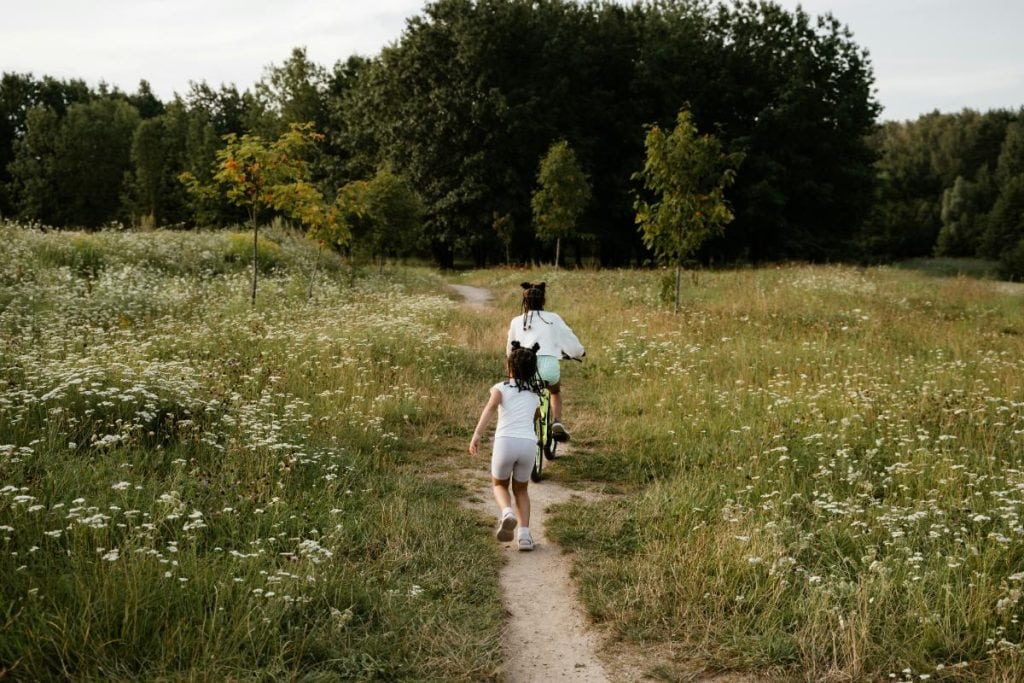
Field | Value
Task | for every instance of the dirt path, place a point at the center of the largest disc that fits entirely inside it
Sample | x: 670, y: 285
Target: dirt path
x: 473, y: 296
x: 548, y: 637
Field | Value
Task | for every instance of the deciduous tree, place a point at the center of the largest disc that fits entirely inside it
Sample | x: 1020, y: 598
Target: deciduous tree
x: 70, y: 171
x: 384, y: 214
x: 260, y: 176
x: 686, y: 175
x: 561, y: 196
x: 20, y: 93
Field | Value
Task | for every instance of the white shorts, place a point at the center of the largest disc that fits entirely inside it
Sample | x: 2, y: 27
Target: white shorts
x: 512, y: 456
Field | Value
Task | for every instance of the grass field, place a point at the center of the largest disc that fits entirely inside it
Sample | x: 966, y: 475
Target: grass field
x: 194, y: 489
x: 819, y: 468
x: 822, y: 468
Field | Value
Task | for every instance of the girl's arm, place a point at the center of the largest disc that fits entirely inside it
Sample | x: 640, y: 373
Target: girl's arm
x: 570, y: 343
x: 511, y: 338
x: 485, y: 417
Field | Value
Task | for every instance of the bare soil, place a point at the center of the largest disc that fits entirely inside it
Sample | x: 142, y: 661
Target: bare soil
x: 548, y: 636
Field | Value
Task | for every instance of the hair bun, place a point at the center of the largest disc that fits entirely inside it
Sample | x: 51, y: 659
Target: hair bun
x: 526, y: 285
x: 516, y: 345
x: 536, y: 347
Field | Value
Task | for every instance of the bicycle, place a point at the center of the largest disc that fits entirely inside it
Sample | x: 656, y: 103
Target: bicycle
x: 546, y: 444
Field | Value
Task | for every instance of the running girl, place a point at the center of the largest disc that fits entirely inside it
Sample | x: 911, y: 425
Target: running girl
x: 516, y: 401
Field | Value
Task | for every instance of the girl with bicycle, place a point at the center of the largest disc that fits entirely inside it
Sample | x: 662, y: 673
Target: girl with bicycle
x: 516, y: 401
x: 556, y: 340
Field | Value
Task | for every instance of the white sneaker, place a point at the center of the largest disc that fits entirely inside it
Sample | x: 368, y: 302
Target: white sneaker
x: 505, y: 527
x: 525, y: 543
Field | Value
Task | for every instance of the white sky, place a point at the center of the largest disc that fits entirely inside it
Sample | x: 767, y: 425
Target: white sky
x: 927, y: 54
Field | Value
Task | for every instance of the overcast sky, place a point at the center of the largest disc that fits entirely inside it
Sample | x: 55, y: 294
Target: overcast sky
x: 927, y: 54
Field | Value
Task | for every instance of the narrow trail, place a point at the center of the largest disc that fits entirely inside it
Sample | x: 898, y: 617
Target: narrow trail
x: 548, y: 637
x: 475, y: 297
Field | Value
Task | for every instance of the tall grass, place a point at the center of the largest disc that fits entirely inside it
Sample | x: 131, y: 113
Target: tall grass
x: 820, y: 467
x: 823, y: 468
x: 191, y: 488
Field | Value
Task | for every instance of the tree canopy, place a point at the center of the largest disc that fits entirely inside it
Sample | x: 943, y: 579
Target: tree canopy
x: 474, y: 92
x: 948, y: 184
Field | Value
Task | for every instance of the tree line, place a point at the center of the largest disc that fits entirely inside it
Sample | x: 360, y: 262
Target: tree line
x: 475, y: 93
x: 950, y: 185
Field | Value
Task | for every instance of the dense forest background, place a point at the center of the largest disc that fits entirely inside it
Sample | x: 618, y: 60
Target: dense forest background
x: 470, y: 98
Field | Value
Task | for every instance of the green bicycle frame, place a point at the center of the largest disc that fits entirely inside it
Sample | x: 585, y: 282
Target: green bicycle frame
x: 545, y: 443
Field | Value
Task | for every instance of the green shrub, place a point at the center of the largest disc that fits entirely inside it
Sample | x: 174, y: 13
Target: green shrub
x: 238, y: 249
x: 1011, y: 266
x: 82, y: 253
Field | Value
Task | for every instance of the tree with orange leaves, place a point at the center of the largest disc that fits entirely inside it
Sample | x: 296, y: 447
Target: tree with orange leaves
x: 262, y: 177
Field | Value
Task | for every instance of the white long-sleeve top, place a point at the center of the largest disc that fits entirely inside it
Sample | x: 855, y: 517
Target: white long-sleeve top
x: 547, y: 329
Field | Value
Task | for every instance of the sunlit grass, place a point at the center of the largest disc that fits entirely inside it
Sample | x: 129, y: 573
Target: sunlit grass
x: 194, y: 488
x: 825, y: 466
x: 820, y: 467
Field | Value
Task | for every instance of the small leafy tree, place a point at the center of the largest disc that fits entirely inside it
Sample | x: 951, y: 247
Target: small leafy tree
x: 384, y: 213
x: 562, y: 195
x: 261, y: 177
x: 396, y: 212
x: 325, y: 223
x: 687, y: 174
x: 353, y: 204
x: 504, y: 228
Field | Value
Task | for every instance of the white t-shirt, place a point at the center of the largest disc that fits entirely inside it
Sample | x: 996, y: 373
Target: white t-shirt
x: 515, y: 411
x: 547, y: 329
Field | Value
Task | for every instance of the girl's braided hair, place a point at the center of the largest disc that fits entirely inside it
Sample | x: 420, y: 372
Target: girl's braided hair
x: 522, y: 367
x: 533, y: 300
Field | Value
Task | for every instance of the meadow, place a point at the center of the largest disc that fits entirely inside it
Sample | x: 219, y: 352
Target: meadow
x: 820, y: 467
x: 816, y: 470
x: 192, y: 488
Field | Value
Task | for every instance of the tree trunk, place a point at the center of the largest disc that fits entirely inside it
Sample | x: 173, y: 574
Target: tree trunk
x: 558, y: 250
x: 255, y: 256
x: 679, y: 277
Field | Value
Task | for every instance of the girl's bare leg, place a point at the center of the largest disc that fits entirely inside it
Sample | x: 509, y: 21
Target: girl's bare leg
x: 501, y: 494
x: 556, y: 407
x: 522, y: 502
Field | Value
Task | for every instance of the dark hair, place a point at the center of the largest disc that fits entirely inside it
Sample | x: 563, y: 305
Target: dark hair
x: 533, y: 296
x: 522, y: 366
x: 533, y: 300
